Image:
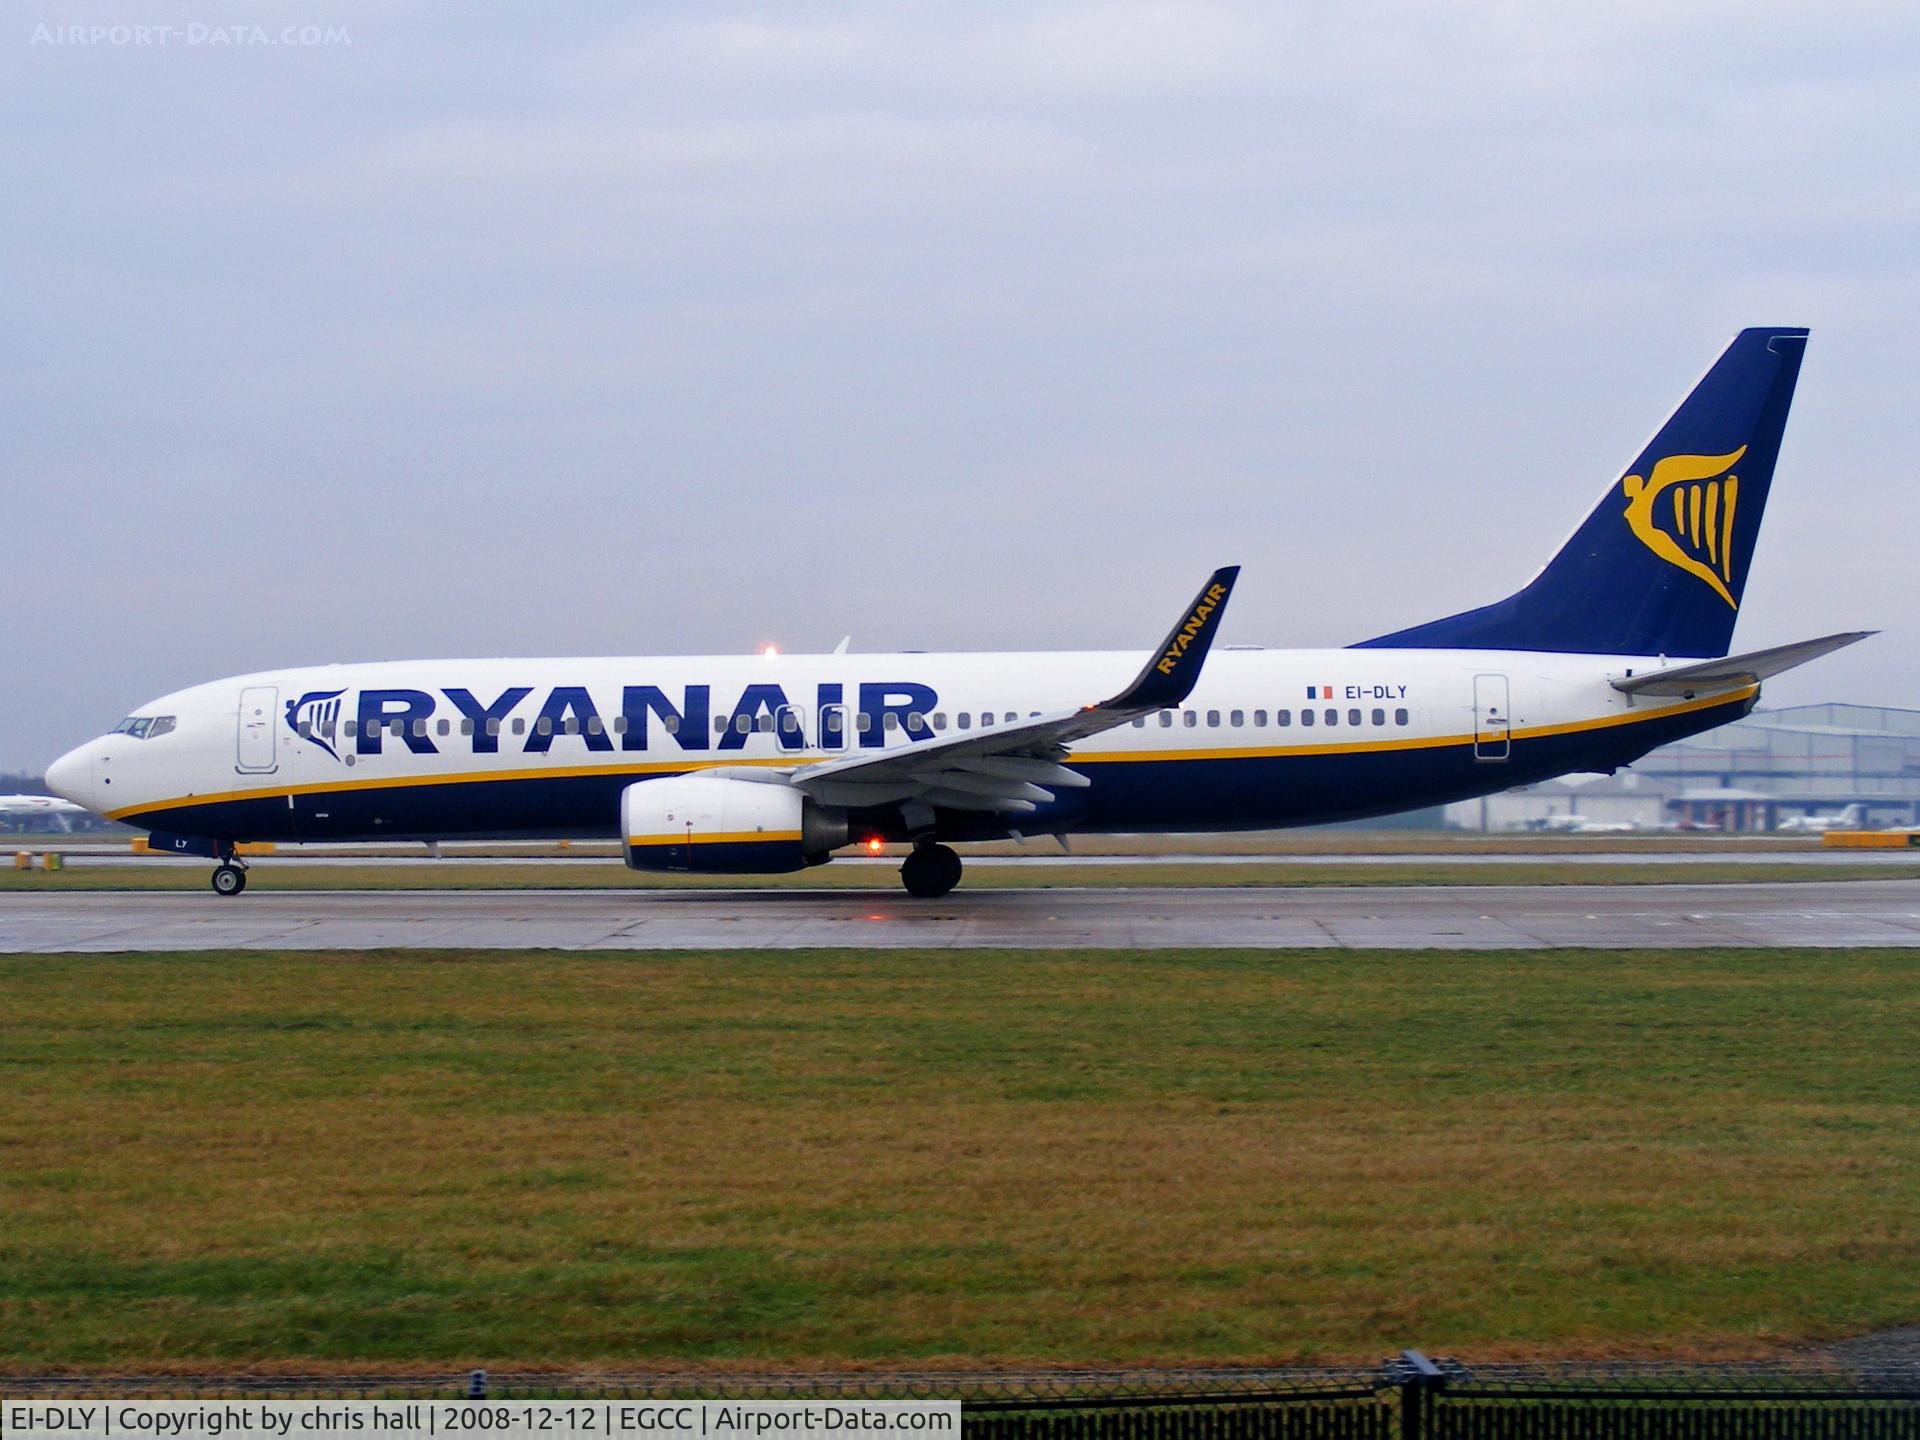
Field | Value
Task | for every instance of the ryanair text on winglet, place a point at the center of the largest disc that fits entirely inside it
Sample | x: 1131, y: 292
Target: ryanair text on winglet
x: 1196, y: 622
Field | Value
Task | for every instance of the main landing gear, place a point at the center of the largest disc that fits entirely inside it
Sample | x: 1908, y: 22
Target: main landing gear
x: 930, y: 871
x: 229, y: 878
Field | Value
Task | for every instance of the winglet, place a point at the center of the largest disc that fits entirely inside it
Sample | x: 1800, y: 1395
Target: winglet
x: 1169, y: 677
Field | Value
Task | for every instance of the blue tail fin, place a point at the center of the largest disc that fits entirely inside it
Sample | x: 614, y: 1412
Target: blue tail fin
x: 1659, y: 567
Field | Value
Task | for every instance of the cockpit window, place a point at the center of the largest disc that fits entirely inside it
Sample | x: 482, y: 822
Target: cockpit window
x: 144, y: 727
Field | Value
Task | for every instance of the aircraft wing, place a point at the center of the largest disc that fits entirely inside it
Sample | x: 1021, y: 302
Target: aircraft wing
x: 1007, y: 769
x: 1735, y: 670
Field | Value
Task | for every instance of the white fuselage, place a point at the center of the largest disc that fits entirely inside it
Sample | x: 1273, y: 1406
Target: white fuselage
x: 448, y: 748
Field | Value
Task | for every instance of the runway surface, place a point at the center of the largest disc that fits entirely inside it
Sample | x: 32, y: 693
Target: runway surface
x: 80, y: 859
x: 1818, y: 913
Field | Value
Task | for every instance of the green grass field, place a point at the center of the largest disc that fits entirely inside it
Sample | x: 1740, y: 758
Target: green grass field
x: 865, y: 1157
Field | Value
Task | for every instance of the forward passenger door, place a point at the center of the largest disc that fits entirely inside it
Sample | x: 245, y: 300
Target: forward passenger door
x: 255, y: 738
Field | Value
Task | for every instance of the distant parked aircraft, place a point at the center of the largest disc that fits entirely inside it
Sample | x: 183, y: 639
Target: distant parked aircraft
x: 1854, y: 817
x: 1573, y: 824
x: 20, y: 812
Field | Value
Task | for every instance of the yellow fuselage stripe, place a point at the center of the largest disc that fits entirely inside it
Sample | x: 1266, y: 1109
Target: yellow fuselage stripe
x: 466, y: 777
x: 737, y: 837
x: 1422, y: 742
x: 1084, y: 757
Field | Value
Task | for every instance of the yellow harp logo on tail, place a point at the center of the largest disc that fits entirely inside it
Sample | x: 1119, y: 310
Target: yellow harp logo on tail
x: 1704, y: 497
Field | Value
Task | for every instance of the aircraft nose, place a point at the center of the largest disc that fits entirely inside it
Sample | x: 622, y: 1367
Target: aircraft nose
x: 71, y: 776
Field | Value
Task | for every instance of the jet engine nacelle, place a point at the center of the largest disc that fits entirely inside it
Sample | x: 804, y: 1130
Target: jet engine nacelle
x: 725, y: 826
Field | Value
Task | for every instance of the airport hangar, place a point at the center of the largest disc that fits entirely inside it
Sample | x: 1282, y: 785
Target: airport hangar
x: 1746, y: 777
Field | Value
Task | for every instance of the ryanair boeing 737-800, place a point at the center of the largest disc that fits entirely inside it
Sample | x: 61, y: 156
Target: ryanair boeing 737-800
x: 760, y: 764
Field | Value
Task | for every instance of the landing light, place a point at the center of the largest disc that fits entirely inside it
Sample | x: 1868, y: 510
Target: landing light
x: 769, y: 651
x: 873, y: 844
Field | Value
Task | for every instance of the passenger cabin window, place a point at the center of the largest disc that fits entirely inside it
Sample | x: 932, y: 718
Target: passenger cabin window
x: 543, y: 726
x: 1353, y: 717
x: 493, y: 725
x: 350, y: 729
x: 1190, y: 718
x: 1237, y: 718
x: 719, y: 724
x: 963, y: 719
x: 466, y: 725
x: 1013, y: 716
x: 1283, y: 718
x: 445, y: 727
x: 1213, y: 719
x: 1400, y: 717
x: 619, y: 725
x: 1379, y: 717
x: 1306, y: 717
x: 1166, y: 718
x: 1260, y: 717
x: 916, y: 722
x: 519, y: 724
x: 594, y: 726
x: 1139, y: 722
x: 671, y: 724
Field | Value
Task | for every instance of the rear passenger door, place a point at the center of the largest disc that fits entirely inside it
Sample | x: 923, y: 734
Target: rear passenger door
x: 1492, y: 720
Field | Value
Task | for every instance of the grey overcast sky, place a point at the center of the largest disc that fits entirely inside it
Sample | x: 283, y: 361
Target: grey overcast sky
x: 680, y: 328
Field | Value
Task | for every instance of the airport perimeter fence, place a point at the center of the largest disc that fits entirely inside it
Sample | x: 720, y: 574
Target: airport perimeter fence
x: 1407, y: 1398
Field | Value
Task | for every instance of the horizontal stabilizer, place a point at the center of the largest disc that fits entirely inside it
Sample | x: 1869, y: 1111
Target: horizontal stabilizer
x: 1735, y: 670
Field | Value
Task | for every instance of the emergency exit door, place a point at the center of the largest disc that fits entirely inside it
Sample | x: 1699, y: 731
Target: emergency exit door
x: 1492, y: 723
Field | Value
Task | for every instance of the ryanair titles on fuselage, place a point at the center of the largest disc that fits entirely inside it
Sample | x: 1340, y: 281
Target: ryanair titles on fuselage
x: 402, y: 716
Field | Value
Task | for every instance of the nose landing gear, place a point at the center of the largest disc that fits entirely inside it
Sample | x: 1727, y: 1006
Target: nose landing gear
x: 229, y: 878
x: 930, y: 871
